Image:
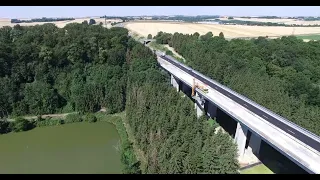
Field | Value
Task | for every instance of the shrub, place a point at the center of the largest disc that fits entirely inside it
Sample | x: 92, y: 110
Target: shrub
x: 168, y: 52
x: 71, y: 118
x: 21, y: 124
x: 91, y: 118
x: 49, y: 122
x: 4, y: 127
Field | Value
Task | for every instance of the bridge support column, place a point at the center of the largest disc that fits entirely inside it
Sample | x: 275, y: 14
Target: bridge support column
x: 199, y: 110
x: 199, y: 104
x: 241, y: 138
x: 255, y: 143
x: 175, y: 82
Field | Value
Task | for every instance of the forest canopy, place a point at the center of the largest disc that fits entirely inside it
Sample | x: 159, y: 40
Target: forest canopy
x: 45, y: 69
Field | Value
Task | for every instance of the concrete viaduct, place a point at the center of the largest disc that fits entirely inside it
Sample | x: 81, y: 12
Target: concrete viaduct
x: 253, y: 123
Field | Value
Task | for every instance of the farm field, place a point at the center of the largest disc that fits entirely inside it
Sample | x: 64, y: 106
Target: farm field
x: 60, y: 24
x: 285, y: 21
x: 229, y: 31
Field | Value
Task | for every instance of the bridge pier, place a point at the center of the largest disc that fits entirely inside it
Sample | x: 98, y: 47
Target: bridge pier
x: 199, y: 104
x: 175, y: 82
x: 241, y: 138
x: 199, y: 110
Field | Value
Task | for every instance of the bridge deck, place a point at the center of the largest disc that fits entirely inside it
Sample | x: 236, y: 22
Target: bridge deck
x: 294, y: 149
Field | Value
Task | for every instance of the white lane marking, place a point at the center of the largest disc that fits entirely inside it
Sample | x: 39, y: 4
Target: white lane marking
x: 290, y: 131
x: 245, y: 104
x: 265, y: 116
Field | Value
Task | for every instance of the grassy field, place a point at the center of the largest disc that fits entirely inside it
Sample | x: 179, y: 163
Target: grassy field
x: 259, y: 169
x: 310, y: 37
x: 157, y: 46
x: 211, y: 122
x: 166, y: 48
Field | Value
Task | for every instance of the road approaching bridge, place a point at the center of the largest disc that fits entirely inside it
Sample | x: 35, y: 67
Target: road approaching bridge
x: 296, y: 143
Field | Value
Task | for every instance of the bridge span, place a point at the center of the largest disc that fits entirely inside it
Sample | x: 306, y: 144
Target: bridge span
x: 299, y: 145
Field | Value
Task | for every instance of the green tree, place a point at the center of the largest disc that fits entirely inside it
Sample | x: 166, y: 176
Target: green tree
x: 168, y: 52
x: 221, y: 35
x: 21, y: 124
x: 41, y: 98
x: 90, y: 118
x: 92, y: 21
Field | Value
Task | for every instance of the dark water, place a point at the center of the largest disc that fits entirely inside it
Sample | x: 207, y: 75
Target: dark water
x: 71, y: 148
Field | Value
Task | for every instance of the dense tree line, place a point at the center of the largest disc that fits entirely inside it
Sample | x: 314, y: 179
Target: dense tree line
x: 115, y: 23
x: 281, y: 74
x: 263, y: 17
x: 45, y: 69
x: 310, y: 18
x: 268, y: 17
x: 186, y: 18
x: 165, y: 125
x: 44, y: 19
x: 124, y: 19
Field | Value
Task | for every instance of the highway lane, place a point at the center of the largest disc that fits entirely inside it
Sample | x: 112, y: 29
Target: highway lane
x: 293, y: 132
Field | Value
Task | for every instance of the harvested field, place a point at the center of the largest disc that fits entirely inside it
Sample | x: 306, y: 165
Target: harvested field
x: 229, y: 31
x: 60, y: 24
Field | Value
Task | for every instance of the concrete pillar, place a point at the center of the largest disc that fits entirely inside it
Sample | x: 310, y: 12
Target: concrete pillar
x: 198, y: 109
x: 199, y: 105
x: 174, y: 82
x: 241, y: 138
x: 255, y: 143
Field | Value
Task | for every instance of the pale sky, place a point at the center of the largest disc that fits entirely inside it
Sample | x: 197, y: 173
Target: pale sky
x: 82, y: 11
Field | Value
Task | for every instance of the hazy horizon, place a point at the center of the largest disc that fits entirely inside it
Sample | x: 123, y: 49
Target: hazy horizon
x: 87, y: 11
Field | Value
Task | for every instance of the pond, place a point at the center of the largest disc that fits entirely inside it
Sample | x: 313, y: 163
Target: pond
x: 71, y: 148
